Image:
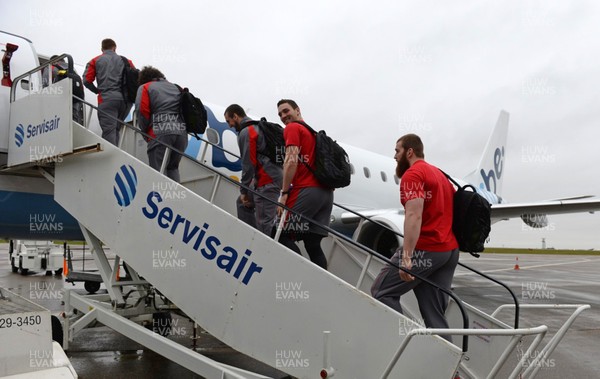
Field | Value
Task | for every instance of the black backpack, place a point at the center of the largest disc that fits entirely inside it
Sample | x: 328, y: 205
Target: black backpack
x: 129, y: 81
x: 331, y: 166
x: 274, y: 142
x: 193, y: 112
x: 471, y: 222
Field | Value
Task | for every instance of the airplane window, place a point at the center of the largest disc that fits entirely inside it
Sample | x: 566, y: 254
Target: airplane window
x: 367, y: 172
x: 383, y: 176
x: 396, y: 179
x: 351, y: 169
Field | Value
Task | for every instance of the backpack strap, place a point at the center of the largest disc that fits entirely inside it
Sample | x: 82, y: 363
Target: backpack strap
x: 125, y: 61
x: 251, y: 122
x: 306, y: 126
x: 314, y: 133
x: 255, y: 122
x: 458, y: 186
x: 450, y: 179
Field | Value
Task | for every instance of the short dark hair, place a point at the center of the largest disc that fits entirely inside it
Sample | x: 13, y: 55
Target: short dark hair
x: 108, y: 44
x: 148, y: 74
x: 292, y: 103
x: 413, y: 141
x: 235, y: 109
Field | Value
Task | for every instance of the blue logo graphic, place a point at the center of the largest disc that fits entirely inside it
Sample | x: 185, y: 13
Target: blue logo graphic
x: 125, y: 185
x: 219, y: 157
x: 496, y: 173
x: 19, y: 135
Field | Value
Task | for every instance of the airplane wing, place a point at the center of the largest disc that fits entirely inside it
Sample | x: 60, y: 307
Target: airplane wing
x: 574, y: 205
x: 353, y: 218
x: 534, y: 213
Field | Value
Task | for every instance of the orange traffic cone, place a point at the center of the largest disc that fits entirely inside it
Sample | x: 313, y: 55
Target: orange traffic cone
x: 517, y: 264
x: 65, y: 267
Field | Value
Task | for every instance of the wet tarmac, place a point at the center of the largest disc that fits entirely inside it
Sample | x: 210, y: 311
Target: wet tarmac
x: 541, y: 279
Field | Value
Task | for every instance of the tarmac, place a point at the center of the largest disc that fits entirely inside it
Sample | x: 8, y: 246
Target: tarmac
x: 540, y: 279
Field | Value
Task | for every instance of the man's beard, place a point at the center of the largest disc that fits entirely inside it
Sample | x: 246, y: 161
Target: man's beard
x: 402, y: 166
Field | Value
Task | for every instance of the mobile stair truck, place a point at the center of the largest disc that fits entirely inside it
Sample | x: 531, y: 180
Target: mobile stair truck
x: 238, y: 284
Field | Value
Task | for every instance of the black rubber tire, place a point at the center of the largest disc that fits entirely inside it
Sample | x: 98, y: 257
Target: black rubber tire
x: 57, y: 330
x: 23, y: 270
x: 58, y: 272
x: 14, y: 268
x: 91, y: 287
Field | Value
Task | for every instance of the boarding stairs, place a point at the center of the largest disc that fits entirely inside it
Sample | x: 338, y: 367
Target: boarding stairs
x: 238, y: 284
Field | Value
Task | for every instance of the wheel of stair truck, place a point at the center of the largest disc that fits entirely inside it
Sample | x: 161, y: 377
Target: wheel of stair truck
x: 57, y: 330
x: 91, y: 287
x: 23, y: 270
x: 13, y: 267
x: 58, y: 272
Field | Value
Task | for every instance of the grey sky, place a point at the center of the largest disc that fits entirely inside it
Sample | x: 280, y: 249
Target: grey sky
x: 368, y: 72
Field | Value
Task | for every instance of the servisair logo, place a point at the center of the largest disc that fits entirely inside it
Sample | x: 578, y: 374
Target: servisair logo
x: 19, y: 135
x: 125, y: 185
x: 186, y: 228
x: 22, y: 133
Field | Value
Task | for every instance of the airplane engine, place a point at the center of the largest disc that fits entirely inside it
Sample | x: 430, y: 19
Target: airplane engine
x: 379, y: 238
x: 535, y: 220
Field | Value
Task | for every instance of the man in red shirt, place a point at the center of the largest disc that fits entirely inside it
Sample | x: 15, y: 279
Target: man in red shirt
x: 300, y: 190
x: 430, y: 248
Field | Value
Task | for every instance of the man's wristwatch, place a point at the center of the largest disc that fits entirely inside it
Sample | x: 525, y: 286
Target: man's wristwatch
x: 285, y: 192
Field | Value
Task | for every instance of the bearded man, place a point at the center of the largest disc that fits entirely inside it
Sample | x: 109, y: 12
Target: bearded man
x: 430, y: 248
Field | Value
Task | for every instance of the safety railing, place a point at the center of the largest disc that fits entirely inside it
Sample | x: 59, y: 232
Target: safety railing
x: 516, y: 334
x: 29, y: 74
x: 510, y: 291
x: 545, y: 353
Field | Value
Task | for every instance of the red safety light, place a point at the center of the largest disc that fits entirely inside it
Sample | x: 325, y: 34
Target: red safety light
x: 10, y: 49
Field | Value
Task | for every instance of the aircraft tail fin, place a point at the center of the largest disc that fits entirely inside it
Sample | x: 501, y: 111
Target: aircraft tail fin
x: 489, y: 172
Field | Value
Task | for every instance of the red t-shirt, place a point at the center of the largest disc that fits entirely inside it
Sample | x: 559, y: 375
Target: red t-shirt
x: 424, y: 181
x: 298, y: 135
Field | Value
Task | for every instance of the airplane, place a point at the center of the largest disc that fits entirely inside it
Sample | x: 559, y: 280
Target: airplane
x: 29, y: 211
